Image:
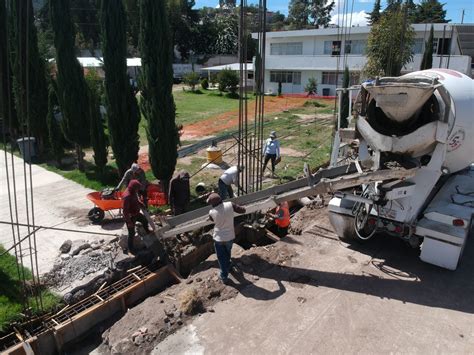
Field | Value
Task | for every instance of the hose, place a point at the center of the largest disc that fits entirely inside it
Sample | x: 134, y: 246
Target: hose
x: 358, y: 210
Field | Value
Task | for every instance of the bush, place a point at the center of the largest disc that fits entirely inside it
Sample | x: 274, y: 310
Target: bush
x: 191, y: 79
x: 204, y: 84
x: 228, y: 80
x: 312, y: 86
x: 314, y: 104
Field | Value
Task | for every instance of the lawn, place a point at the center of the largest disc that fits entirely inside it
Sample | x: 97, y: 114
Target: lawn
x: 11, y: 290
x: 194, y: 107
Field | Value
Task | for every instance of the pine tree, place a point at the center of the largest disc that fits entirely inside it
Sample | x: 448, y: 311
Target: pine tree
x: 29, y: 74
x: 430, y: 11
x: 72, y: 91
x: 54, y: 130
x: 374, y: 16
x: 298, y: 14
x: 156, y: 81
x: 123, y: 116
x: 320, y: 12
x: 98, y: 137
x: 427, y: 62
x: 345, y: 99
x: 393, y: 6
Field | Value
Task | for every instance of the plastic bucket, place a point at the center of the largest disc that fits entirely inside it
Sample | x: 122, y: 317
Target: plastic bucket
x: 27, y: 148
x: 214, y: 155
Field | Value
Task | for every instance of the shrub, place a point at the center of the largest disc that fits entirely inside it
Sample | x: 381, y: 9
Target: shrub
x: 312, y: 86
x: 191, y: 79
x: 228, y: 80
x: 204, y: 84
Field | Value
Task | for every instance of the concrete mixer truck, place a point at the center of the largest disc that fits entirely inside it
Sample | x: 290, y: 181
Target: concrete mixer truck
x: 422, y: 121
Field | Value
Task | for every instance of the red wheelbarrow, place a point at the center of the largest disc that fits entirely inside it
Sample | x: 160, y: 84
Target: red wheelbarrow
x: 108, y: 201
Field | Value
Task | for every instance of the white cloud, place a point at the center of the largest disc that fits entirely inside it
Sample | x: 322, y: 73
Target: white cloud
x: 366, y: 1
x: 350, y: 19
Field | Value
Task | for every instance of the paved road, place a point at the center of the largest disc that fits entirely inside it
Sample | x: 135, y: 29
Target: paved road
x: 57, y: 202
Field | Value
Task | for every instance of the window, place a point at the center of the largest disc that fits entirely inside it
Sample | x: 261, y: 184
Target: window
x: 285, y: 77
x: 418, y: 46
x: 332, y: 47
x: 329, y: 78
x: 443, y: 47
x: 356, y: 47
x: 291, y: 48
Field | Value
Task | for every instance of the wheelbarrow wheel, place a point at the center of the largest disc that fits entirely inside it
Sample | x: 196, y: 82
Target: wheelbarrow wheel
x: 96, y: 215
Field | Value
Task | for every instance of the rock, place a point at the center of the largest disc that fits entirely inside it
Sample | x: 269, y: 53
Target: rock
x: 162, y: 301
x: 177, y: 314
x: 95, y: 246
x: 170, y: 312
x: 198, y: 279
x: 139, y: 340
x: 256, y: 278
x: 143, y: 330
x: 166, y: 320
x: 65, y: 257
x: 214, y: 293
x: 66, y: 246
x: 78, y: 249
x: 134, y: 335
x: 301, y: 299
x: 179, y: 322
x: 107, y: 248
x: 189, y: 281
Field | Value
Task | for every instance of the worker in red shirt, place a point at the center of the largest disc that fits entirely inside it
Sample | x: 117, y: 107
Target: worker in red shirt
x: 131, y: 211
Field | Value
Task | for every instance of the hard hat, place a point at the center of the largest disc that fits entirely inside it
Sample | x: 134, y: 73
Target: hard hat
x: 273, y: 134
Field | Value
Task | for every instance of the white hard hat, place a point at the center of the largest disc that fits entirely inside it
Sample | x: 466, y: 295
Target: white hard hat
x: 135, y: 167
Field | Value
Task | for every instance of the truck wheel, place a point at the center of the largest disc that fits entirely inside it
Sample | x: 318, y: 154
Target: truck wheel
x: 96, y: 215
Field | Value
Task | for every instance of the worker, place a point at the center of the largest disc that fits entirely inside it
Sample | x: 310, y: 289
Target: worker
x: 131, y: 212
x: 282, y: 218
x: 229, y: 177
x: 179, y: 193
x: 222, y: 214
x: 271, y: 151
x: 135, y: 173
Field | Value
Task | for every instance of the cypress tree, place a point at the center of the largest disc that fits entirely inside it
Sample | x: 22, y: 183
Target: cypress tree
x: 374, y: 16
x: 156, y: 83
x: 98, y: 137
x: 55, y: 135
x: 72, y: 91
x: 123, y: 116
x: 427, y: 62
x: 29, y: 73
x: 345, y: 99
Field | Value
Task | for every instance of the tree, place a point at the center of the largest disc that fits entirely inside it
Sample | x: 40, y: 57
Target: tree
x: 98, y: 137
x: 302, y: 13
x: 393, y: 6
x: 228, y: 80
x: 227, y: 34
x: 191, y: 79
x: 389, y: 46
x: 183, y: 22
x: 156, y: 82
x: 298, y: 13
x: 312, y: 86
x: 72, y: 90
x: 123, y: 116
x: 345, y: 99
x: 227, y: 4
x: 54, y: 129
x: 29, y: 74
x: 427, y: 61
x: 430, y: 11
x: 374, y: 16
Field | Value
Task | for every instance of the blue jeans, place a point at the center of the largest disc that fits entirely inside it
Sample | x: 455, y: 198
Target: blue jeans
x: 225, y: 191
x: 223, y: 251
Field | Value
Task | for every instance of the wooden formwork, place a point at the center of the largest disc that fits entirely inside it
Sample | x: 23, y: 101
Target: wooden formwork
x: 68, y: 325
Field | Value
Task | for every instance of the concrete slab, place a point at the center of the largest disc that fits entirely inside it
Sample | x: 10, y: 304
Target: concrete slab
x: 58, y: 202
x: 335, y: 298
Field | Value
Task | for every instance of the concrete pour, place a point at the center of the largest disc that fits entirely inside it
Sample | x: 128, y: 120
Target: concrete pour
x: 58, y: 202
x: 311, y: 293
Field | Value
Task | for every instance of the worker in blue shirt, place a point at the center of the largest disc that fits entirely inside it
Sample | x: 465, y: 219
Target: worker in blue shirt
x: 271, y: 151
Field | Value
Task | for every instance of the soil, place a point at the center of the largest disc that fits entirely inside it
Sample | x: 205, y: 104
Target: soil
x: 148, y: 324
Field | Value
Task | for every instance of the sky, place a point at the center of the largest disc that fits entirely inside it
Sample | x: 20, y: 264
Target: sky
x: 360, y: 8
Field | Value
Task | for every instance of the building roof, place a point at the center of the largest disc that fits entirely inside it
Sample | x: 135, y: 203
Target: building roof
x: 232, y: 66
x: 98, y: 62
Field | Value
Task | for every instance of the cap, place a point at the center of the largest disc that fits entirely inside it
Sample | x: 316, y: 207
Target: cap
x: 135, y: 167
x: 273, y: 134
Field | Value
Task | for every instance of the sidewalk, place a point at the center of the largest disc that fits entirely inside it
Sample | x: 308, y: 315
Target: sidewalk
x: 57, y: 202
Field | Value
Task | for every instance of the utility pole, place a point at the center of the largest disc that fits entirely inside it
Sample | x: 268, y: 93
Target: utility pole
x: 462, y: 16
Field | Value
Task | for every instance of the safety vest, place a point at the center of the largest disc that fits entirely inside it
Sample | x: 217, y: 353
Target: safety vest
x: 283, y: 213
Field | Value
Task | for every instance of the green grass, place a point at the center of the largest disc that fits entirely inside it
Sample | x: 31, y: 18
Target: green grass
x: 194, y: 107
x: 11, y: 290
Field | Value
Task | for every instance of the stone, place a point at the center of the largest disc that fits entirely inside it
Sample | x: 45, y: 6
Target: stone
x: 198, y: 279
x: 256, y: 278
x: 66, y: 246
x: 95, y: 246
x: 65, y: 257
x: 143, y: 330
x: 301, y: 299
x: 214, y: 293
x: 177, y: 314
x: 134, y: 335
x: 78, y: 249
x: 139, y: 340
x: 170, y: 312
x: 166, y: 320
x: 179, y: 322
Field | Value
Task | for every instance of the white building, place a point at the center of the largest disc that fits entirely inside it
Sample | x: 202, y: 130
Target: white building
x: 292, y: 57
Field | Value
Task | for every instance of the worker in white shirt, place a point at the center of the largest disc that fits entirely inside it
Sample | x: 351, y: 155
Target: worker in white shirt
x: 222, y: 214
x: 271, y: 151
x: 229, y: 177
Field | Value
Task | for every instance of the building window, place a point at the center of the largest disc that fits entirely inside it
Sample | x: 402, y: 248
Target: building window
x: 418, y: 46
x: 285, y: 77
x: 443, y: 46
x: 332, y: 47
x: 291, y: 48
x: 333, y: 78
x: 356, y: 47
